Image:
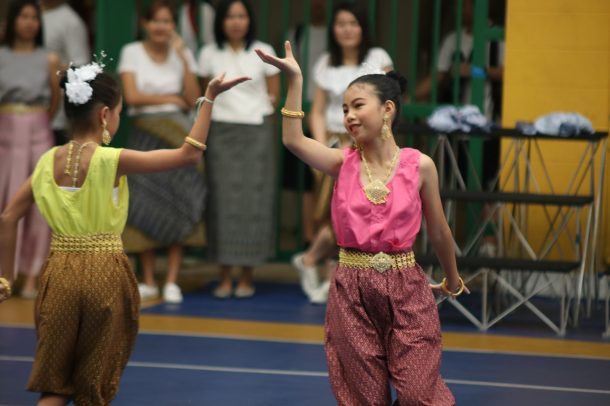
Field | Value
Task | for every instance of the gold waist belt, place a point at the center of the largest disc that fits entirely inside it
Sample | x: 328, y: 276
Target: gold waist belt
x: 92, y: 242
x: 380, y: 261
x: 20, y: 108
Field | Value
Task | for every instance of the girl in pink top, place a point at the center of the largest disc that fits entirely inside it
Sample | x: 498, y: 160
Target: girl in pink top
x: 382, y: 323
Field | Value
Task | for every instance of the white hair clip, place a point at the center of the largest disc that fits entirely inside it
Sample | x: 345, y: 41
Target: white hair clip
x: 78, y: 89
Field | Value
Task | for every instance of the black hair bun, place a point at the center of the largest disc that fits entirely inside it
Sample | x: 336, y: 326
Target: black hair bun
x: 401, y: 80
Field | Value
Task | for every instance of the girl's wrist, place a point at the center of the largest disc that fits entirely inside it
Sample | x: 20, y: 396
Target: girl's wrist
x: 296, y: 77
x: 210, y: 95
x: 453, y: 288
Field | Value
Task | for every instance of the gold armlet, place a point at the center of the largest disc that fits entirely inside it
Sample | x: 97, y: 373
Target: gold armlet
x: 445, y: 289
x: 199, y: 145
x: 292, y: 114
x: 7, y: 287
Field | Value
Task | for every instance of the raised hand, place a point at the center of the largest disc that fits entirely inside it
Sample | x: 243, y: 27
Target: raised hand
x: 177, y: 42
x: 219, y: 85
x: 288, y: 65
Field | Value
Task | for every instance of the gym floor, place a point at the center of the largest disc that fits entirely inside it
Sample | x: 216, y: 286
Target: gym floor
x: 268, y: 350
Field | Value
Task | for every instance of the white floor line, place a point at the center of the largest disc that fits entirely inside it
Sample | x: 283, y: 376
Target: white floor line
x: 210, y: 368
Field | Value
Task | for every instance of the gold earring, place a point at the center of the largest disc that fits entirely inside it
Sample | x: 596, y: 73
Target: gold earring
x: 385, y: 129
x: 105, y: 134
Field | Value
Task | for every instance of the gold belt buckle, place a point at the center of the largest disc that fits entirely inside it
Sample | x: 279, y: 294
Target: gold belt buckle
x: 381, y: 262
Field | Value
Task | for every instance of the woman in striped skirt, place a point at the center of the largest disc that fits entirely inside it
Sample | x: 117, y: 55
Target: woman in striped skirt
x: 240, y: 161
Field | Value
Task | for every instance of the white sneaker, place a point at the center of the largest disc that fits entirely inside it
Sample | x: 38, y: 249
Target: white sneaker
x: 308, y: 275
x: 244, y: 292
x: 172, y: 293
x: 320, y: 295
x: 222, y: 293
x: 148, y: 292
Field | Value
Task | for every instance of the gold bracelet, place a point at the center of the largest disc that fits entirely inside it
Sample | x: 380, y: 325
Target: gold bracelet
x: 7, y: 287
x: 199, y: 145
x: 292, y: 113
x: 445, y: 289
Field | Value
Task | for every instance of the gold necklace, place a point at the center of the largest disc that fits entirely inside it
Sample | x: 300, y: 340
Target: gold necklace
x: 376, y: 191
x: 76, y: 166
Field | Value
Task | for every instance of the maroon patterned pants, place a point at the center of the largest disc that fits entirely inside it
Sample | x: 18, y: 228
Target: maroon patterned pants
x: 383, y: 328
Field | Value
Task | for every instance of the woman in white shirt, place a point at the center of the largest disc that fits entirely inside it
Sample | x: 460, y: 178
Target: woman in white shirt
x: 240, y: 157
x: 160, y: 86
x: 349, y: 56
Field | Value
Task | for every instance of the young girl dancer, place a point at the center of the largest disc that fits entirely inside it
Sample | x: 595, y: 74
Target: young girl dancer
x: 382, y: 321
x: 350, y: 55
x: 87, y: 309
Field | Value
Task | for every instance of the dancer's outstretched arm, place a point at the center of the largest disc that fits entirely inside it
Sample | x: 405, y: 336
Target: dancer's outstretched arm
x: 312, y: 152
x: 132, y: 161
x: 438, y: 230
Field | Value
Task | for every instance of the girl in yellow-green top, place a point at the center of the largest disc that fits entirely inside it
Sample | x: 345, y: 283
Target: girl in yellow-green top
x: 87, y: 308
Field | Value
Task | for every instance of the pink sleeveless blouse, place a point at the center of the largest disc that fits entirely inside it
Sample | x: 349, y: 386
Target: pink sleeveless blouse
x: 388, y: 227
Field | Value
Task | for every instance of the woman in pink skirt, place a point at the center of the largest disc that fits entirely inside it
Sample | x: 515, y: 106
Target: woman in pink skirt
x: 382, y: 322
x: 29, y: 96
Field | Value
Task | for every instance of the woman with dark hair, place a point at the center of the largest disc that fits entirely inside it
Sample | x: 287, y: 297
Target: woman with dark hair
x: 240, y: 161
x: 29, y: 95
x: 87, y: 312
x: 160, y: 86
x: 350, y: 55
x: 382, y: 324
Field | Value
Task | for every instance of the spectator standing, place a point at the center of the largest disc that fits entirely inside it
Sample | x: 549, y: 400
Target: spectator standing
x: 65, y: 33
x: 29, y: 95
x: 160, y: 86
x: 240, y: 161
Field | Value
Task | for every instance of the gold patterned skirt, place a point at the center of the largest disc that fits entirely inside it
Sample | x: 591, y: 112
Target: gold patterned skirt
x: 86, y: 319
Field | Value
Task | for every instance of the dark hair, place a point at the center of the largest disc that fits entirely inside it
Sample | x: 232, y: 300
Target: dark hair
x: 151, y: 10
x: 336, y: 53
x: 390, y: 86
x: 157, y: 5
x: 106, y: 92
x: 221, y: 14
x: 14, y: 9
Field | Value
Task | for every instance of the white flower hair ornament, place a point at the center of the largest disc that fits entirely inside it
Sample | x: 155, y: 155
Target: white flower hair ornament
x: 78, y: 89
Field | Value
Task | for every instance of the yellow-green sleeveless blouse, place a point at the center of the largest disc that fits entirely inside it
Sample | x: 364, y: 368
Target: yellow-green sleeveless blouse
x: 89, y: 210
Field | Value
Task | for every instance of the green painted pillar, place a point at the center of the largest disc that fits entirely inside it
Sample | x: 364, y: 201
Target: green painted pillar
x: 116, y: 23
x: 479, y: 58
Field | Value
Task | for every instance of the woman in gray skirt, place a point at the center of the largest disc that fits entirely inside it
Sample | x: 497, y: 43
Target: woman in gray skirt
x: 165, y: 209
x: 240, y: 156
